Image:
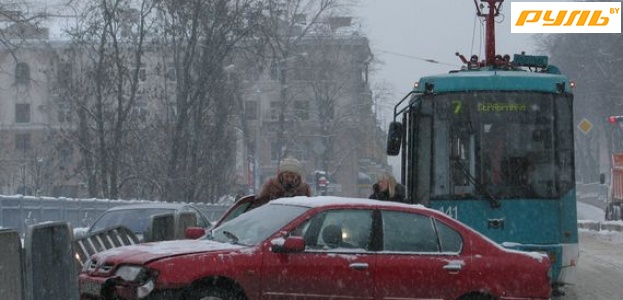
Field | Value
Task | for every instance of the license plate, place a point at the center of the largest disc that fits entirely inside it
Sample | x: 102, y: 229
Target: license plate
x: 90, y: 287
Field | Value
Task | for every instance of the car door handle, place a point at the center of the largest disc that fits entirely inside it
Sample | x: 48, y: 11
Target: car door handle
x: 359, y: 266
x: 452, y: 267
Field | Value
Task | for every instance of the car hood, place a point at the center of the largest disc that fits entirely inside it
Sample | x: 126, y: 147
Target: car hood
x: 144, y: 253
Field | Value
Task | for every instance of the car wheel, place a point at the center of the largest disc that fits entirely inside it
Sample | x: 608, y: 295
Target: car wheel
x: 212, y: 294
x: 477, y: 297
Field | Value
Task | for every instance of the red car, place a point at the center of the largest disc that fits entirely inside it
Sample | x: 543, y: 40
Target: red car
x: 322, y: 248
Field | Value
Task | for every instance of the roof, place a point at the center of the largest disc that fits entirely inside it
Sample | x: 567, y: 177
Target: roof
x: 333, y: 200
x: 165, y: 205
x: 498, y: 80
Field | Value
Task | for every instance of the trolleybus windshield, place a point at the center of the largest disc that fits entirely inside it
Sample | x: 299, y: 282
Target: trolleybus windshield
x: 505, y: 145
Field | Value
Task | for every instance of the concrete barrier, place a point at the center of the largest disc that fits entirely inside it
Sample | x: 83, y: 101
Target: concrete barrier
x: 11, y: 281
x: 45, y: 267
x: 611, y: 226
x: 601, y: 226
x: 49, y: 268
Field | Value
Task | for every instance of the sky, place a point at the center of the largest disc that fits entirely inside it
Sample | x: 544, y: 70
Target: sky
x: 404, y: 34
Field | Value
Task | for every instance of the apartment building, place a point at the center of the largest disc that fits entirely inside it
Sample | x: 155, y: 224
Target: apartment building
x: 328, y: 118
x: 322, y: 89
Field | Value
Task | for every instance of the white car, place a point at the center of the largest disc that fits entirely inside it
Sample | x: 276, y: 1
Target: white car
x: 137, y: 217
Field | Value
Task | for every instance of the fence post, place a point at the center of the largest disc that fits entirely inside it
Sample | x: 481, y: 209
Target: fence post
x: 11, y: 280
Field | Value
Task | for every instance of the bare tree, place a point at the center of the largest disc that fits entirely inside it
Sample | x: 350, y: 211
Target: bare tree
x: 202, y: 36
x: 287, y: 23
x: 594, y: 63
x: 182, y: 151
x: 111, y: 44
x: 332, y: 78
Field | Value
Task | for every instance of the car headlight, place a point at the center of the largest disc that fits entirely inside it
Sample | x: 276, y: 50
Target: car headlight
x: 131, y: 273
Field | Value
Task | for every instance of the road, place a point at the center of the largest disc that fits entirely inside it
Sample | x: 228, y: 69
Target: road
x: 600, y: 267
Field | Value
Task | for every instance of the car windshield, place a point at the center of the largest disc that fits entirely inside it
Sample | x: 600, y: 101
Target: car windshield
x: 256, y: 225
x: 137, y: 220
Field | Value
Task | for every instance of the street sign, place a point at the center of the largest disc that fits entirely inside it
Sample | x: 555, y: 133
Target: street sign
x: 585, y: 125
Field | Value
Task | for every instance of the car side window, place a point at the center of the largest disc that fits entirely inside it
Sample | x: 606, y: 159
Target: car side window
x: 337, y: 230
x: 408, y: 232
x: 449, y: 239
x: 201, y: 222
x: 237, y: 211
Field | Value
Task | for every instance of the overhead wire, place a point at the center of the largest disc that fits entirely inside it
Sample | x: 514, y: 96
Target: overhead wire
x: 428, y: 60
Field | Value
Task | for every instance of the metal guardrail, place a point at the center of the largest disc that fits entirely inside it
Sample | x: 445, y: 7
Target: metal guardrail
x: 18, y: 211
x: 103, y: 240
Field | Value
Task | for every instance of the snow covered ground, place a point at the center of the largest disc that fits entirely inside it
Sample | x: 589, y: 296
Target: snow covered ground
x: 591, y: 214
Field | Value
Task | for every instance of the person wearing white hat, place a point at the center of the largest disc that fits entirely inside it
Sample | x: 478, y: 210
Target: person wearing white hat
x: 287, y: 183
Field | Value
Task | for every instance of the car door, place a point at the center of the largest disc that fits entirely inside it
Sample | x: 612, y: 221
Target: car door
x: 411, y: 263
x: 334, y: 264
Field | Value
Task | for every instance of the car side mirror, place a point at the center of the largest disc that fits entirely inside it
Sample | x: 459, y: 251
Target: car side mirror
x: 194, y: 233
x: 293, y: 244
x: 394, y: 138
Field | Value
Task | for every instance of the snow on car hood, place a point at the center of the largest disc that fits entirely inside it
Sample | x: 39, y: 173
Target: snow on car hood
x: 143, y: 253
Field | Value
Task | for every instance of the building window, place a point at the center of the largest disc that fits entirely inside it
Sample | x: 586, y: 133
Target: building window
x: 64, y: 111
x: 170, y: 72
x: 301, y: 109
x: 275, y: 151
x: 22, y: 113
x: 140, y: 111
x: 22, y: 141
x: 64, y: 75
x: 252, y: 74
x: 65, y: 155
x: 275, y: 109
x: 22, y: 73
x: 142, y: 74
x: 274, y: 71
x: 250, y: 110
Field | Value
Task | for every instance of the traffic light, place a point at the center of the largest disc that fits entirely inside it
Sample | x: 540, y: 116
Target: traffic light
x: 322, y: 183
x: 615, y: 119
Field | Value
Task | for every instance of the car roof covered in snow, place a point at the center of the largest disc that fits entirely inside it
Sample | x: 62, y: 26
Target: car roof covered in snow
x: 163, y: 205
x: 333, y: 200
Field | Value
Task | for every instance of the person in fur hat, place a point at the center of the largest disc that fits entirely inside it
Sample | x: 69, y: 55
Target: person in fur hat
x: 287, y: 183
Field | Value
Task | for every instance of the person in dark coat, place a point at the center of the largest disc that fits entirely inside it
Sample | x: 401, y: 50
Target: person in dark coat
x: 287, y: 183
x: 386, y: 188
